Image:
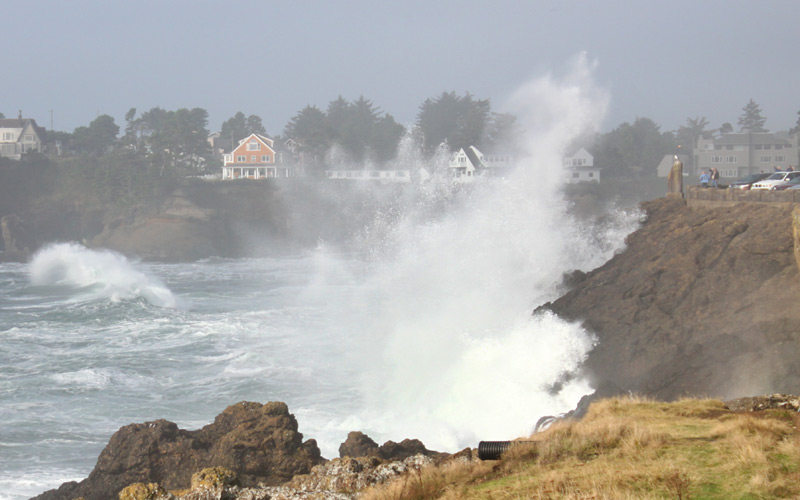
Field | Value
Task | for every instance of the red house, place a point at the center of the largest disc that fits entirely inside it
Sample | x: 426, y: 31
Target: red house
x: 253, y: 158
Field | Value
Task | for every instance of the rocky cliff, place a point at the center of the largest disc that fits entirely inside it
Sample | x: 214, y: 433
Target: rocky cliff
x: 703, y: 301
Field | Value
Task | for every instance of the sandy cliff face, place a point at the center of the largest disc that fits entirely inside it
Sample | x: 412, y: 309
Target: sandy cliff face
x: 701, y: 302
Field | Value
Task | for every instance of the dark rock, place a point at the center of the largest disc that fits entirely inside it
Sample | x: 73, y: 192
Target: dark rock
x: 406, y: 448
x: 358, y: 444
x: 701, y: 302
x: 15, y: 240
x: 259, y: 443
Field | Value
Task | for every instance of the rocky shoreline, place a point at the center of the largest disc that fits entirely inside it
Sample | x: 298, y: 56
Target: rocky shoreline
x: 251, y: 450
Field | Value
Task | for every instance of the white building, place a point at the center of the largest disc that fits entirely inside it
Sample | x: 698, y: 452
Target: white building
x: 469, y: 163
x: 18, y: 136
x: 580, y: 167
x: 741, y: 154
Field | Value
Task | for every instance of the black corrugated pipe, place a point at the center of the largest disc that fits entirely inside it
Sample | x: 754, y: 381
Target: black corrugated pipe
x: 492, y: 450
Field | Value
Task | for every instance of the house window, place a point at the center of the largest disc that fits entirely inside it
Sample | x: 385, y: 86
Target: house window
x: 8, y: 136
x: 576, y: 175
x: 716, y: 159
x: 591, y: 174
x: 28, y: 137
x: 765, y: 159
x: 731, y: 172
x: 253, y: 158
x: 730, y: 159
x: 779, y: 146
x: 767, y: 146
x: 241, y: 159
x: 780, y: 158
x: 253, y: 146
x: 264, y: 158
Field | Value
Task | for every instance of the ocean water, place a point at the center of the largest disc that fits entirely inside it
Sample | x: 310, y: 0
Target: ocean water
x: 421, y: 329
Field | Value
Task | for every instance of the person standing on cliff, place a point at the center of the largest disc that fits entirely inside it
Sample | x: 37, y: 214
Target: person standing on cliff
x: 704, y: 179
x: 714, y: 177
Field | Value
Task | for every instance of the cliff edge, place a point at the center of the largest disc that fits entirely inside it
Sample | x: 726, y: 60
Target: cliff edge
x: 700, y: 302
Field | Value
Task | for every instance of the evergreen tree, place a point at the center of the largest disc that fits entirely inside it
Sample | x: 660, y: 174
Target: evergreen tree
x: 726, y: 128
x: 98, y: 138
x: 458, y: 121
x: 751, y: 120
x: 633, y: 149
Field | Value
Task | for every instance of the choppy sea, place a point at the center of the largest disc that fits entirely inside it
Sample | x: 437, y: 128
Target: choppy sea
x: 421, y: 329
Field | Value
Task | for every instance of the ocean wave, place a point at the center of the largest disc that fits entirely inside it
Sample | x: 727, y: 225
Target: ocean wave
x: 97, y: 273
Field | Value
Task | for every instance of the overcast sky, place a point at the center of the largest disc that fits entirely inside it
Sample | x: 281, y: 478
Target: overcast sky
x: 664, y: 60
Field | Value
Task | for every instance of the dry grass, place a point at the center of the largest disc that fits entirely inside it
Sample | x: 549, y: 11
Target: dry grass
x: 630, y: 448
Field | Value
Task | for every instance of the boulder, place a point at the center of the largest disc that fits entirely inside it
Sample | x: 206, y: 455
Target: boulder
x: 259, y: 443
x: 358, y: 444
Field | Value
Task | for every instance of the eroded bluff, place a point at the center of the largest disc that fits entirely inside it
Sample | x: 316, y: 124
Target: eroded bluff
x: 701, y: 302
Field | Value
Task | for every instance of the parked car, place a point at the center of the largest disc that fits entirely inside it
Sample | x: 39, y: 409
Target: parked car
x: 746, y: 183
x: 775, y: 179
x: 787, y: 185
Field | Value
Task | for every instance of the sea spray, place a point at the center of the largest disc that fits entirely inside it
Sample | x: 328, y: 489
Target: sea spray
x: 103, y: 272
x: 449, y: 352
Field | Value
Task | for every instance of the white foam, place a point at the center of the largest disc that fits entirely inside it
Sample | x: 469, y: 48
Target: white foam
x: 448, y: 351
x: 108, y: 274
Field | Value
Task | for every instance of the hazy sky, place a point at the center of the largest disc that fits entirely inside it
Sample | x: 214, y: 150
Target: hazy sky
x: 664, y: 60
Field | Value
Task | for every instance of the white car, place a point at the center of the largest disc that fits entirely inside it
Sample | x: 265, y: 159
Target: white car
x: 775, y: 179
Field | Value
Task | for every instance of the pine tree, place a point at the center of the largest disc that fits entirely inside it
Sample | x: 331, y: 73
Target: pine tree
x: 751, y: 120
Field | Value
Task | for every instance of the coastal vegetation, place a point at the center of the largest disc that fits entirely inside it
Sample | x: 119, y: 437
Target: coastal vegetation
x: 630, y: 448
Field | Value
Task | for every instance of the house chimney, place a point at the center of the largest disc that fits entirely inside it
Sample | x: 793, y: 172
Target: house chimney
x: 20, y: 114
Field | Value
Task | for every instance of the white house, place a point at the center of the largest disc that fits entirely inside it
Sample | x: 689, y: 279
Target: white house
x: 468, y: 163
x: 465, y: 164
x: 580, y: 167
x: 18, y: 136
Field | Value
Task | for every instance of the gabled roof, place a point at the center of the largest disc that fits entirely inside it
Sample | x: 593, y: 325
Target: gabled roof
x: 261, y: 138
x: 472, y: 155
x: 18, y: 123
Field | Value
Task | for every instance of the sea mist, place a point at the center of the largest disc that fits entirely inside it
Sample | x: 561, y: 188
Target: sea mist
x: 442, y: 336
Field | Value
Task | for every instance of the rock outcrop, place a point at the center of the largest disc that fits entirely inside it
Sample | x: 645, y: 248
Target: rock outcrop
x: 15, y: 241
x: 259, y: 443
x: 701, y: 302
x: 359, y: 444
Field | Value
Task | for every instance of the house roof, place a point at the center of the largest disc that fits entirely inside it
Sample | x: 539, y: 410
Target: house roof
x: 17, y: 123
x: 262, y: 138
x: 473, y: 157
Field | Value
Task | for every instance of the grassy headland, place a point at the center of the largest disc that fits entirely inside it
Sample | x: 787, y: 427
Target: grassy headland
x: 631, y: 448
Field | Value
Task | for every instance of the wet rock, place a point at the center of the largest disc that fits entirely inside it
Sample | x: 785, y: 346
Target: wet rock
x: 358, y: 444
x: 259, y: 443
x: 702, y: 301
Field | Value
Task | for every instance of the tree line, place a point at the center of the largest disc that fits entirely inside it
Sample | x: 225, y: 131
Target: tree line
x: 167, y: 144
